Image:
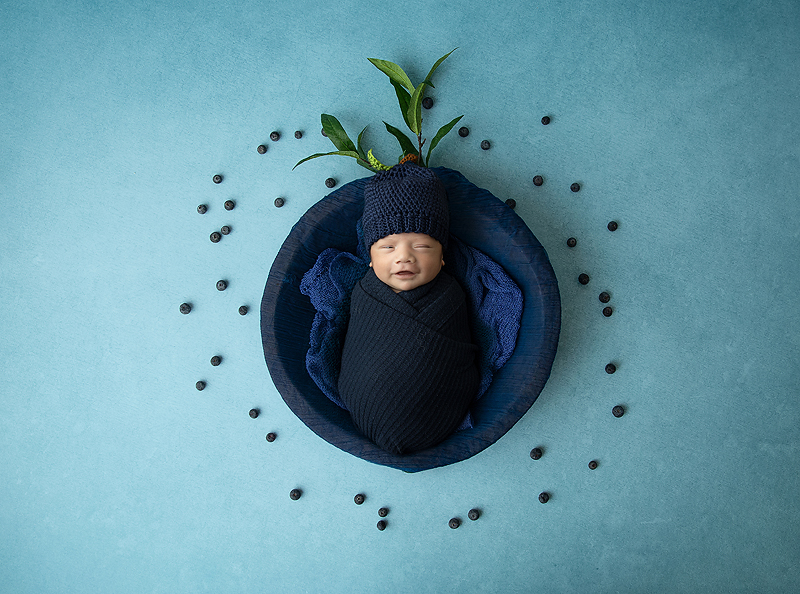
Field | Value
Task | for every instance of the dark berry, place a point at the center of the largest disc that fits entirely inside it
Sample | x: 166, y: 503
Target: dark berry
x: 201, y: 385
x: 185, y: 308
x: 612, y: 226
x: 381, y: 524
x: 323, y: 133
x: 544, y: 497
x: 536, y: 453
x: 575, y: 187
x: 275, y: 136
x: 295, y: 494
x: 215, y: 237
x: 230, y: 205
x: 226, y: 230
x: 253, y: 413
x: 243, y: 310
x: 610, y: 368
x: 271, y: 437
x: 538, y: 180
x: 583, y: 278
x: 279, y: 202
x: 427, y: 103
x: 545, y: 120
x: 572, y: 242
x: 217, y: 179
x: 618, y: 411
x: 216, y: 360
x: 330, y: 182
x: 604, y: 297
x: 262, y: 148
x: 222, y: 285
x: 593, y: 465
x: 474, y: 514
x: 607, y: 311
x: 383, y: 512
x: 360, y: 498
x: 298, y: 134
x: 463, y: 131
x: 485, y: 145
x: 202, y: 209
x: 454, y: 523
x: 512, y: 204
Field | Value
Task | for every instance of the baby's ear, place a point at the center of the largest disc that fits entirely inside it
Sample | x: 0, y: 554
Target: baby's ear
x: 370, y: 263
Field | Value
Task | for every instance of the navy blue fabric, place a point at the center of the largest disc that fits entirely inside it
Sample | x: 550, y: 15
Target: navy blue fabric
x: 478, y: 219
x: 493, y: 300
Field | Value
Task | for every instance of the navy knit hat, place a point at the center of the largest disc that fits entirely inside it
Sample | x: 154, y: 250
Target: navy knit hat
x: 405, y: 199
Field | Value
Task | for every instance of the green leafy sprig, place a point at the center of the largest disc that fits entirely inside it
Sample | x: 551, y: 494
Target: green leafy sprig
x: 409, y: 98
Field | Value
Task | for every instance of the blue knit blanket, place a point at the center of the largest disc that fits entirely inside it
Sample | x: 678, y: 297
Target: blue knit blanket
x: 493, y: 298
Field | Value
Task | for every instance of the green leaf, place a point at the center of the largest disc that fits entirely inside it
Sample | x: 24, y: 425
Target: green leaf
x: 435, y: 66
x: 403, y: 98
x: 353, y: 154
x: 361, y: 152
x: 405, y: 143
x: 414, y: 112
x: 394, y: 72
x: 439, y: 135
x: 365, y: 165
x: 336, y: 133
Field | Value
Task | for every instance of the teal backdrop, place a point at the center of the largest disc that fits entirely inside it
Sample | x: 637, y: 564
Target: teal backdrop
x: 680, y: 120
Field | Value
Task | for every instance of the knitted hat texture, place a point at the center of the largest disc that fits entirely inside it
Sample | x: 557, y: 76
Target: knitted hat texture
x: 405, y: 199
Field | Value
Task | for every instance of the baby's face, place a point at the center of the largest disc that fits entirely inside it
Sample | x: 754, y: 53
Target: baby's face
x: 405, y: 261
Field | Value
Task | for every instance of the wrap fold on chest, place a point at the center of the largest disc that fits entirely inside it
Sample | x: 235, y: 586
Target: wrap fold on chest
x: 408, y: 372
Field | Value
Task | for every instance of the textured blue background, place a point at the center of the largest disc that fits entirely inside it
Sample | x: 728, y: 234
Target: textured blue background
x: 679, y: 120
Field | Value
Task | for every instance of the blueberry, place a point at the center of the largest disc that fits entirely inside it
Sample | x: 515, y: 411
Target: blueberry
x: 381, y: 524
x: 536, y: 453
x: 610, y: 368
x: 604, y: 297
x: 295, y: 494
x: 612, y: 226
x: 545, y: 120
x: 474, y: 514
x: 593, y: 465
x: 463, y: 131
x: 253, y: 413
x: 454, y: 523
x: 215, y: 237
x: 202, y: 209
x: 216, y: 360
x: 271, y: 437
x: 618, y: 411
x: 583, y: 278
x: 544, y: 497
x: 360, y: 498
x: 298, y: 134
x: 323, y: 133
x: 226, y: 230
x: 279, y: 202
x: 275, y: 136
x: 185, y: 308
x: 201, y: 385
x: 230, y: 205
x: 575, y: 187
x: 262, y: 148
x: 330, y: 182
x: 243, y: 310
x: 607, y: 311
x: 427, y: 103
x: 512, y: 204
x: 383, y: 512
x: 485, y: 145
x: 217, y: 179
x: 572, y: 242
x: 538, y: 180
x: 222, y: 285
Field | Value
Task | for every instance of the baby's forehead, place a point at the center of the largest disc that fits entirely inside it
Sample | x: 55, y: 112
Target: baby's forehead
x: 407, y: 237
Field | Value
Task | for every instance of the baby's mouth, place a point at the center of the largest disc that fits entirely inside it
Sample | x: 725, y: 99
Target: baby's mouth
x: 404, y: 273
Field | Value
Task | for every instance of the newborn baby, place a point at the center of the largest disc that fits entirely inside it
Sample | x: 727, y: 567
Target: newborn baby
x: 409, y: 371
